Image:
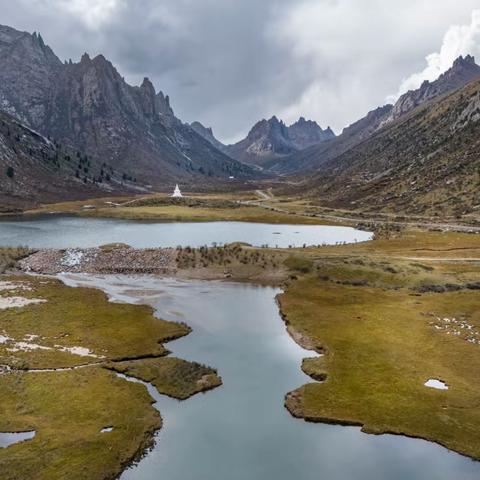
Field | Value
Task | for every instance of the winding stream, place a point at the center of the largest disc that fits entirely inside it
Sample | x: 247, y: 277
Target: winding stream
x: 241, y: 430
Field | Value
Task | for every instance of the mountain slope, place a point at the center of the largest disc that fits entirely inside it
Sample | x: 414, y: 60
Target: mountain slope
x: 271, y: 139
x: 34, y: 168
x: 89, y: 106
x: 207, y: 134
x: 463, y: 71
x: 426, y: 162
x: 315, y: 156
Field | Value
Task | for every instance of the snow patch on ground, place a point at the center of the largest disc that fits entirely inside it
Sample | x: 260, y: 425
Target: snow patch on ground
x: 10, y: 438
x: 7, y: 286
x: 26, y: 347
x: 72, y: 258
x: 29, y: 337
x: 437, y: 384
x: 18, y: 302
x: 81, y: 351
x: 458, y: 328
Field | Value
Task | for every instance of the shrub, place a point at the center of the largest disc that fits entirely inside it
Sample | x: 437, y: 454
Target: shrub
x: 299, y: 264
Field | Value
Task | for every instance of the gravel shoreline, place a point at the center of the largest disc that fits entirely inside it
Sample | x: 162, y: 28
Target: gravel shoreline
x: 101, y: 260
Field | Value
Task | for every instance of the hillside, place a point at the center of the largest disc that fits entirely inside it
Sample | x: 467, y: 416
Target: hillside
x: 463, y: 71
x: 207, y: 134
x: 426, y: 162
x: 34, y: 168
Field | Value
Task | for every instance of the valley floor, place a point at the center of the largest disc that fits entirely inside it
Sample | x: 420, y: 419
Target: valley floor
x: 385, y: 317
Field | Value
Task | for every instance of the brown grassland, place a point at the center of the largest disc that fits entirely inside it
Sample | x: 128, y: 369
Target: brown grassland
x: 376, y: 311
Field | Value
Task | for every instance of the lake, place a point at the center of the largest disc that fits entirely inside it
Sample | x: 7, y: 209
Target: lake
x: 58, y: 231
x: 241, y: 430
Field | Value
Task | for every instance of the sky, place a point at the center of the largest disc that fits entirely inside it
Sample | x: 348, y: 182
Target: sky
x: 230, y: 63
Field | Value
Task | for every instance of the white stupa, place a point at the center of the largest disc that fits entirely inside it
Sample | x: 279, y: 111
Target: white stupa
x: 177, y: 193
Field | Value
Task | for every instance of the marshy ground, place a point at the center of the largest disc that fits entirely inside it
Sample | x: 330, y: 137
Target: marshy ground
x: 59, y: 359
x: 376, y: 311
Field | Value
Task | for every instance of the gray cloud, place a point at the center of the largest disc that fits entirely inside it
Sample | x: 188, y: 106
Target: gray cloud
x: 229, y: 63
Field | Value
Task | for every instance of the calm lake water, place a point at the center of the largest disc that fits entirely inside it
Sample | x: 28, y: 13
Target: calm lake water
x: 241, y: 431
x: 8, y: 438
x: 63, y: 231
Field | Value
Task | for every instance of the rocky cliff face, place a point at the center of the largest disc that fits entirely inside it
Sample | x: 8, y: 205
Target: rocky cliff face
x: 462, y: 72
x: 271, y: 139
x: 28, y: 70
x: 89, y: 106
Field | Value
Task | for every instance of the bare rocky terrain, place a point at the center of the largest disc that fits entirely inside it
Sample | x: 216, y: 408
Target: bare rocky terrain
x: 103, y: 260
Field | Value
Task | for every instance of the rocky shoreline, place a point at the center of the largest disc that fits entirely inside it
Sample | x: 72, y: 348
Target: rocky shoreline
x: 118, y: 259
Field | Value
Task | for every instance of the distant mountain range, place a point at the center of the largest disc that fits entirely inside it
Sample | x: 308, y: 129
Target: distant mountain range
x: 270, y: 139
x: 424, y: 160
x: 462, y: 72
x: 73, y: 130
x: 89, y: 107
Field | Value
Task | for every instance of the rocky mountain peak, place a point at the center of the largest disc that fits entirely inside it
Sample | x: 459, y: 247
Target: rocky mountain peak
x: 305, y: 133
x: 273, y: 138
x: 163, y: 105
x: 85, y: 58
x: 148, y: 98
x: 200, y: 127
x: 9, y: 35
x: 27, y: 66
x: 464, y: 62
x: 463, y: 71
x: 273, y: 126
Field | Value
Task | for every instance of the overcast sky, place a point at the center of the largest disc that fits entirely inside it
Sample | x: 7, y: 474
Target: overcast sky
x: 229, y: 63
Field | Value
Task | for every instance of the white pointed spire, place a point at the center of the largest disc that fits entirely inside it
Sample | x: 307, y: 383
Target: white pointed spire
x: 177, y: 193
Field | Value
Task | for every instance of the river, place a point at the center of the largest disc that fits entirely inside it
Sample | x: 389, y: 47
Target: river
x: 241, y: 431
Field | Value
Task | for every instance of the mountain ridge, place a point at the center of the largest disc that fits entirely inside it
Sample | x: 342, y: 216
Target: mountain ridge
x: 270, y: 139
x: 463, y: 71
x: 89, y: 106
x: 425, y: 162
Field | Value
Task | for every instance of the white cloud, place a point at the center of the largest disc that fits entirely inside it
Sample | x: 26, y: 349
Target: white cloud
x: 458, y: 40
x: 354, y: 53
x: 94, y: 13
